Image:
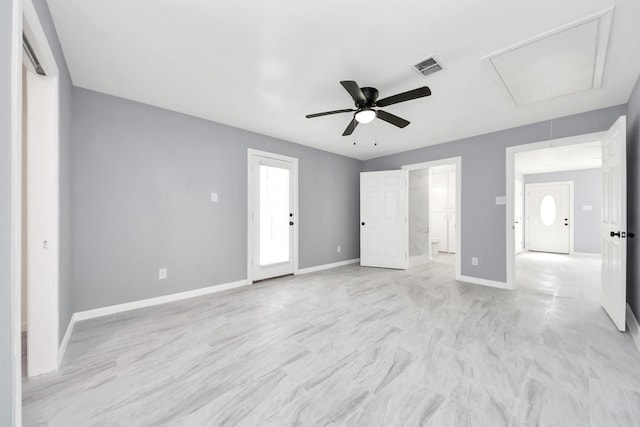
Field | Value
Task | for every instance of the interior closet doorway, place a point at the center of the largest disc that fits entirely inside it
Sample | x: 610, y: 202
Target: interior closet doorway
x: 435, y: 190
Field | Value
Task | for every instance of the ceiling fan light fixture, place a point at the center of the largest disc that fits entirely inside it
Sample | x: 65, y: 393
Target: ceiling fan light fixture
x: 365, y: 116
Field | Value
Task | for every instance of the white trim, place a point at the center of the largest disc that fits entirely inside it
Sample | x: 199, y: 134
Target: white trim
x: 634, y: 327
x: 483, y: 282
x: 571, y: 211
x: 296, y: 220
x: 16, y: 213
x: 510, y: 181
x: 65, y: 340
x: 457, y: 161
x: 134, y: 305
x: 327, y: 266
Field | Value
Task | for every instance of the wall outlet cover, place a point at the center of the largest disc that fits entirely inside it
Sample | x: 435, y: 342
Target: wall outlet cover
x: 162, y: 274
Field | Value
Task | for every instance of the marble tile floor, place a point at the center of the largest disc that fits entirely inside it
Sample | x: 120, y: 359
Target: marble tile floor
x: 353, y: 346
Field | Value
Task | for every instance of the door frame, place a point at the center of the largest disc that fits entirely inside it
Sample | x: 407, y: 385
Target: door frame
x: 25, y: 18
x: 251, y: 153
x: 510, y: 188
x: 571, y: 211
x: 457, y: 161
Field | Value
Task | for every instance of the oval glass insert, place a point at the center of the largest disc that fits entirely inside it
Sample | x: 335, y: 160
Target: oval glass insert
x: 548, y: 210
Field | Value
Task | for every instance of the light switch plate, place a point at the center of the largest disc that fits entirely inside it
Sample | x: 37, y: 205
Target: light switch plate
x: 501, y: 200
x: 214, y: 197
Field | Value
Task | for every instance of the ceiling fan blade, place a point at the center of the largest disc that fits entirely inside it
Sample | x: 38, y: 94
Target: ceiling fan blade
x: 393, y: 119
x: 326, y: 113
x: 352, y: 126
x: 354, y: 90
x: 404, y: 96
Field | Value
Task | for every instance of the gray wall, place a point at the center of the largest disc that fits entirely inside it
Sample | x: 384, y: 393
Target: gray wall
x: 65, y: 167
x: 483, y: 178
x: 633, y: 200
x: 6, y: 328
x: 141, y: 200
x: 587, y: 190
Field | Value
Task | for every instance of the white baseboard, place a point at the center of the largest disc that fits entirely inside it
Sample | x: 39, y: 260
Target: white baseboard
x: 65, y: 340
x: 113, y: 309
x: 634, y: 327
x: 119, y: 308
x: 484, y: 282
x: 327, y: 266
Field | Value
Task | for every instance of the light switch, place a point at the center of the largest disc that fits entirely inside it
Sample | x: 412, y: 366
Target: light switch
x: 587, y: 207
x: 214, y: 197
x: 501, y: 200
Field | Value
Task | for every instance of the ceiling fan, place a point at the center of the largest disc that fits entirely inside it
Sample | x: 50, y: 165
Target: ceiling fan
x: 366, y: 100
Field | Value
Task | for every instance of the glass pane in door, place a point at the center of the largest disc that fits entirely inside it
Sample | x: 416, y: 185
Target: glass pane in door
x: 274, y: 215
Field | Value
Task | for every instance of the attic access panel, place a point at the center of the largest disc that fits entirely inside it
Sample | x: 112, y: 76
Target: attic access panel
x: 559, y: 63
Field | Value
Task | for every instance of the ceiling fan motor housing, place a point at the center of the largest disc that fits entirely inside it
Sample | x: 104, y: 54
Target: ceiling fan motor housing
x: 371, y: 94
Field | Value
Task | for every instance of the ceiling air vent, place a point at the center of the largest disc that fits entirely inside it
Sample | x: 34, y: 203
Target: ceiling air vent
x: 428, y: 66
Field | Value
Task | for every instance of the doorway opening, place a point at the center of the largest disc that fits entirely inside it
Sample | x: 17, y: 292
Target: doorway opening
x: 272, y: 216
x: 557, y: 200
x: 564, y: 198
x: 435, y: 190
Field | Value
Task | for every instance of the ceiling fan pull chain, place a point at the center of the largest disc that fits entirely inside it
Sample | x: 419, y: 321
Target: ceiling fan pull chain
x: 375, y: 133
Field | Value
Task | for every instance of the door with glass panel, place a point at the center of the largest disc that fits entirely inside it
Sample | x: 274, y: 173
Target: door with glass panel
x: 273, y: 217
x: 548, y: 217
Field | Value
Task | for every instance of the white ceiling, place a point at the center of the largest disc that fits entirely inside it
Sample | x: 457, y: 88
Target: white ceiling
x: 262, y: 66
x: 587, y: 155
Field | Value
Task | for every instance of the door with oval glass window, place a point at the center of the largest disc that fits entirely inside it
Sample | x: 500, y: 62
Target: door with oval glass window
x: 548, y: 220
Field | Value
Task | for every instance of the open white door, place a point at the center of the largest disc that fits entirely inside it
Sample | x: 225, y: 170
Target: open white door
x: 384, y: 228
x: 41, y: 220
x: 614, y: 222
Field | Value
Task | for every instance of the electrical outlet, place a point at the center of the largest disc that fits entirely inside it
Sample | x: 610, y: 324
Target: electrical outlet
x: 162, y: 274
x: 339, y: 248
x: 474, y: 261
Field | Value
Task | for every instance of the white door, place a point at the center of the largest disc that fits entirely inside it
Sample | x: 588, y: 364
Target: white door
x: 451, y: 212
x: 41, y: 231
x: 548, y: 215
x: 614, y: 222
x: 384, y: 227
x: 451, y: 232
x: 419, y: 240
x: 273, y: 217
x: 439, y: 205
x: 518, y: 216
